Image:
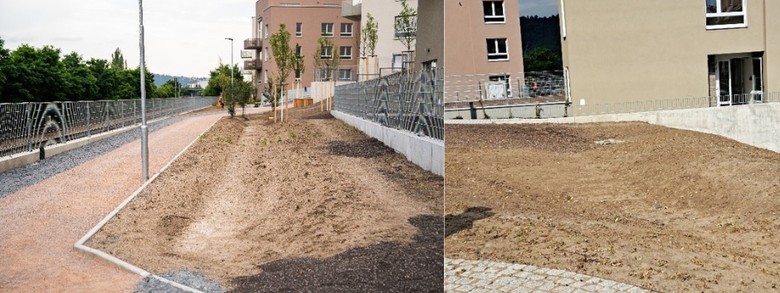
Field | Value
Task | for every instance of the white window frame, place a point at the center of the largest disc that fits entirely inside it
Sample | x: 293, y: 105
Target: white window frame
x: 341, y: 76
x: 719, y: 13
x: 326, y: 53
x: 299, y: 29
x: 345, y: 33
x: 345, y: 56
x: 495, y: 43
x: 325, y: 32
x: 506, y: 79
x: 493, y: 16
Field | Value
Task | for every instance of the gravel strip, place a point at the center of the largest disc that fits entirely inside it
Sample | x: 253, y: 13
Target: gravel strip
x: 189, y: 278
x: 13, y: 180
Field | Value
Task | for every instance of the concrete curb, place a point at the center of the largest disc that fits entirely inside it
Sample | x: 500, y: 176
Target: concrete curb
x: 128, y: 266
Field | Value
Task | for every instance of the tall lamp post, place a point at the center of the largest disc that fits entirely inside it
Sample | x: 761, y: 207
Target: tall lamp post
x: 230, y: 106
x: 144, y: 130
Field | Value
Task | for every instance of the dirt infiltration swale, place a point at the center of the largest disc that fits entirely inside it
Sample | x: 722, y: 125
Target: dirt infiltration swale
x: 667, y: 210
x: 251, y: 192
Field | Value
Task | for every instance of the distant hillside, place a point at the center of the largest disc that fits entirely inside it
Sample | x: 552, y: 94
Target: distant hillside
x: 160, y: 79
x: 540, y: 32
x: 541, y: 38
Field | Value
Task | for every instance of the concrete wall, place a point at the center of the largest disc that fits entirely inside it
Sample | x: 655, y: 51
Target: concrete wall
x: 757, y: 125
x: 424, y: 152
x: 630, y: 50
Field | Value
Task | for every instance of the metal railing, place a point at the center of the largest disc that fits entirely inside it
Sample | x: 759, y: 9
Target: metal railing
x: 406, y: 101
x: 504, y: 86
x: 253, y: 43
x: 253, y: 65
x: 29, y: 126
x: 672, y: 104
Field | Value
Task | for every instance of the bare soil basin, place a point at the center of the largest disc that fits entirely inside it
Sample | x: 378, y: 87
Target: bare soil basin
x: 667, y: 210
x: 310, y: 203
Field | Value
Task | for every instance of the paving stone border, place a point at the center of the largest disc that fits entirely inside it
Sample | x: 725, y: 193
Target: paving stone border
x: 491, y: 276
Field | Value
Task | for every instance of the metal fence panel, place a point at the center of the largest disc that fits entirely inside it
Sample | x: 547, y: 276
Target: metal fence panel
x: 412, y: 102
x: 28, y: 126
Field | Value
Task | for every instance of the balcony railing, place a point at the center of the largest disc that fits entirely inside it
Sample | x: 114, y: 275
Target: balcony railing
x: 253, y: 65
x: 350, y: 8
x: 405, y: 27
x: 253, y: 43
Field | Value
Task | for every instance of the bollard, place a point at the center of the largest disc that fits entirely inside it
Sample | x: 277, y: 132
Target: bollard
x: 472, y: 110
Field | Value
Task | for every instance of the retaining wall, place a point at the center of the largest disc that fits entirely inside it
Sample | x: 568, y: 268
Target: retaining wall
x: 425, y: 152
x: 757, y: 124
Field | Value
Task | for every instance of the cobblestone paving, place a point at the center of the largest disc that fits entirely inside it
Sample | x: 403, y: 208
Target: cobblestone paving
x: 490, y: 276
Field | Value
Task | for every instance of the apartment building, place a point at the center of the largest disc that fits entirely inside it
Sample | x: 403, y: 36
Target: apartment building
x: 307, y: 21
x: 391, y: 54
x: 484, y: 55
x: 618, y: 51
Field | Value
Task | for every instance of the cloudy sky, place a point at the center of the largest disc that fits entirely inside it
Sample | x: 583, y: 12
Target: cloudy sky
x: 182, y: 37
x: 536, y: 7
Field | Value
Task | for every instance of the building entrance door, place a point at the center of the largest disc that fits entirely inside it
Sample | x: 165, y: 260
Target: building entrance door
x: 739, y: 80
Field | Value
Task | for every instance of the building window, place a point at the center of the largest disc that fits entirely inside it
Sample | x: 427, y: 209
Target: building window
x: 266, y: 31
x: 326, y: 52
x: 298, y: 51
x: 327, y: 29
x: 298, y: 29
x: 265, y: 53
x: 345, y: 52
x: 726, y: 14
x: 323, y: 74
x: 497, y: 50
x: 494, y: 11
x: 345, y: 74
x: 346, y: 29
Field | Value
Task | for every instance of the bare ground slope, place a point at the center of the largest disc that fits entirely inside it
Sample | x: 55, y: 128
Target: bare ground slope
x: 251, y: 192
x: 668, y: 210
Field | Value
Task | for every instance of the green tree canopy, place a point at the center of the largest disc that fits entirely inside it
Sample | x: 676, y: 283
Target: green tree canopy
x: 30, y: 74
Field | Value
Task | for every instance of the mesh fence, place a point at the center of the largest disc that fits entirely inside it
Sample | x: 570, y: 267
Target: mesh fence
x: 504, y: 86
x: 29, y: 126
x: 410, y: 101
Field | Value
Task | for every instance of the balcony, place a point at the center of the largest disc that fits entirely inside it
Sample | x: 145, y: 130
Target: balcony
x: 405, y: 27
x: 253, y: 43
x: 351, y: 8
x: 253, y: 65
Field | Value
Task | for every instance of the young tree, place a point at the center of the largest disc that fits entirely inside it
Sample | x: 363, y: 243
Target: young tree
x: 368, y: 39
x: 327, y: 60
x: 298, y: 67
x: 284, y: 57
x: 406, y: 25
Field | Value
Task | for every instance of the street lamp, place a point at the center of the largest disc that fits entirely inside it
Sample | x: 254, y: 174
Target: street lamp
x: 144, y: 130
x: 230, y: 106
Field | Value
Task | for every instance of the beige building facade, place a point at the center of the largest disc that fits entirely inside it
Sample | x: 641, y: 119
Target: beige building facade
x: 483, y: 44
x: 429, y: 50
x: 307, y: 21
x: 389, y: 51
x: 617, y: 51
